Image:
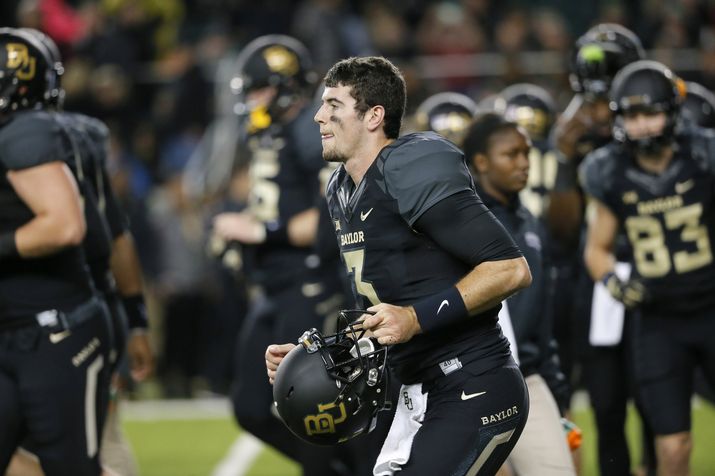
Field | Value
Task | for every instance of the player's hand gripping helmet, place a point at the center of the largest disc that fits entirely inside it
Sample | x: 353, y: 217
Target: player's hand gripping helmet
x: 448, y: 114
x: 329, y: 389
x: 530, y: 106
x: 279, y: 61
x: 25, y: 71
x: 599, y: 54
x: 699, y: 106
x: 646, y: 86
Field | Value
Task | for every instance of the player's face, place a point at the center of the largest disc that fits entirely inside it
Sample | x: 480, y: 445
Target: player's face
x: 642, y: 124
x: 508, y: 160
x: 341, y: 129
x: 599, y: 116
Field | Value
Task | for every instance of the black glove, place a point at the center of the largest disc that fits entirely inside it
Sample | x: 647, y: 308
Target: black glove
x: 631, y: 293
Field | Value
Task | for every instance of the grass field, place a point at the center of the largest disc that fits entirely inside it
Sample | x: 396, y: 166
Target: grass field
x: 194, y: 447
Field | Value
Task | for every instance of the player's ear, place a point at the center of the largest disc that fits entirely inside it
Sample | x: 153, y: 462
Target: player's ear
x: 375, y: 117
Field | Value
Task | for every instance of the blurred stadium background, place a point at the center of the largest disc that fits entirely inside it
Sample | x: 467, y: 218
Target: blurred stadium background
x: 157, y: 72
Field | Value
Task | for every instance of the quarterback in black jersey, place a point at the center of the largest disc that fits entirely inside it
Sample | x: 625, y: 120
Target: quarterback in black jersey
x: 658, y: 186
x: 413, y: 233
x: 54, y: 337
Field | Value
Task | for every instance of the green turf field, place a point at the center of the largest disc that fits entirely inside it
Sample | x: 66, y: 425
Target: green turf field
x: 194, y: 447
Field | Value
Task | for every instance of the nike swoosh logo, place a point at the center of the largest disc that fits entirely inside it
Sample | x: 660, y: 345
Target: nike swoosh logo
x: 59, y: 336
x: 682, y: 187
x: 364, y: 215
x: 467, y: 396
x: 444, y: 303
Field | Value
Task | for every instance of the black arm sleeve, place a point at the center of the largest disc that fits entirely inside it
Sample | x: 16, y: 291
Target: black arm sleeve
x: 462, y: 225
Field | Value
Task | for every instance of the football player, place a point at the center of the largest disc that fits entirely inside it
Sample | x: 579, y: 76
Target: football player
x: 657, y: 186
x: 433, y: 265
x: 585, y: 125
x: 55, y: 337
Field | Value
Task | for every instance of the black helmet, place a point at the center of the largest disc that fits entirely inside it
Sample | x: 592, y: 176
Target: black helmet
x: 272, y: 60
x: 599, y: 54
x: 646, y: 86
x: 327, y: 389
x: 25, y: 71
x: 530, y: 106
x: 56, y: 93
x: 699, y: 105
x: 448, y: 114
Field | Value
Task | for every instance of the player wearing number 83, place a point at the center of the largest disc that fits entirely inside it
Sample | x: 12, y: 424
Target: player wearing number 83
x: 657, y: 181
x: 422, y: 241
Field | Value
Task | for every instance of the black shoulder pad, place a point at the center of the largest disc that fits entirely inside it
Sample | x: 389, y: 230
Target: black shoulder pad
x: 30, y: 139
x: 420, y: 170
x: 94, y: 136
x: 597, y: 169
x: 700, y: 145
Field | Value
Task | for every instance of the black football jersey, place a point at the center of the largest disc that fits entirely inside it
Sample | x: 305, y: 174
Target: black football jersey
x: 543, y: 164
x: 285, y: 171
x: 668, y: 218
x: 27, y: 286
x: 389, y: 261
x: 86, y: 141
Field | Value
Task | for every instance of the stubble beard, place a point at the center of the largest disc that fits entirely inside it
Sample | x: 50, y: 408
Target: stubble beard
x: 333, y: 156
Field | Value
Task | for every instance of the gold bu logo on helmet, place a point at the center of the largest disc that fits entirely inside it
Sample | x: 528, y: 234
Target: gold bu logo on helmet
x: 324, y: 422
x: 281, y: 60
x: 19, y: 59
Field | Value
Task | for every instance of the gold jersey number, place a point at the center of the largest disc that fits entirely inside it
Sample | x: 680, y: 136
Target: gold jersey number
x: 653, y: 258
x: 354, y: 261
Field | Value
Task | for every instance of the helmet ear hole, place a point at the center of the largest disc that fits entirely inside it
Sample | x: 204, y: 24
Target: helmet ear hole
x: 290, y: 393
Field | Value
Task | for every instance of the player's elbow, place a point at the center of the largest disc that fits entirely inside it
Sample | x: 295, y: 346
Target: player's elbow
x: 521, y: 274
x: 71, y: 232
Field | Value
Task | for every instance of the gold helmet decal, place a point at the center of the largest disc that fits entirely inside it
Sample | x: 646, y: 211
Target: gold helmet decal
x: 19, y: 59
x: 281, y: 60
x: 324, y: 422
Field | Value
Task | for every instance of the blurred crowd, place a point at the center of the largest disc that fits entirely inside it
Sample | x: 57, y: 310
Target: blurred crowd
x: 157, y: 72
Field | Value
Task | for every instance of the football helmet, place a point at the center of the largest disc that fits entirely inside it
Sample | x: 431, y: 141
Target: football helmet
x: 599, y: 54
x: 56, y: 93
x: 328, y: 389
x: 25, y: 71
x: 448, y: 114
x: 271, y: 60
x: 646, y: 86
x: 530, y: 106
x: 699, y: 105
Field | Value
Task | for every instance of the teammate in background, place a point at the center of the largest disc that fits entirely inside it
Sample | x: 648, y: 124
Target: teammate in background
x: 277, y: 230
x: 585, y: 125
x: 658, y: 188
x: 413, y: 233
x: 55, y: 336
x: 499, y: 151
x: 448, y: 114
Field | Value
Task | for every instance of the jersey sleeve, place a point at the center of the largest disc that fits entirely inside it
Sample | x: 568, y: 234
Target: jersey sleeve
x: 31, y: 139
x: 463, y: 226
x: 593, y: 175
x: 423, y: 171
